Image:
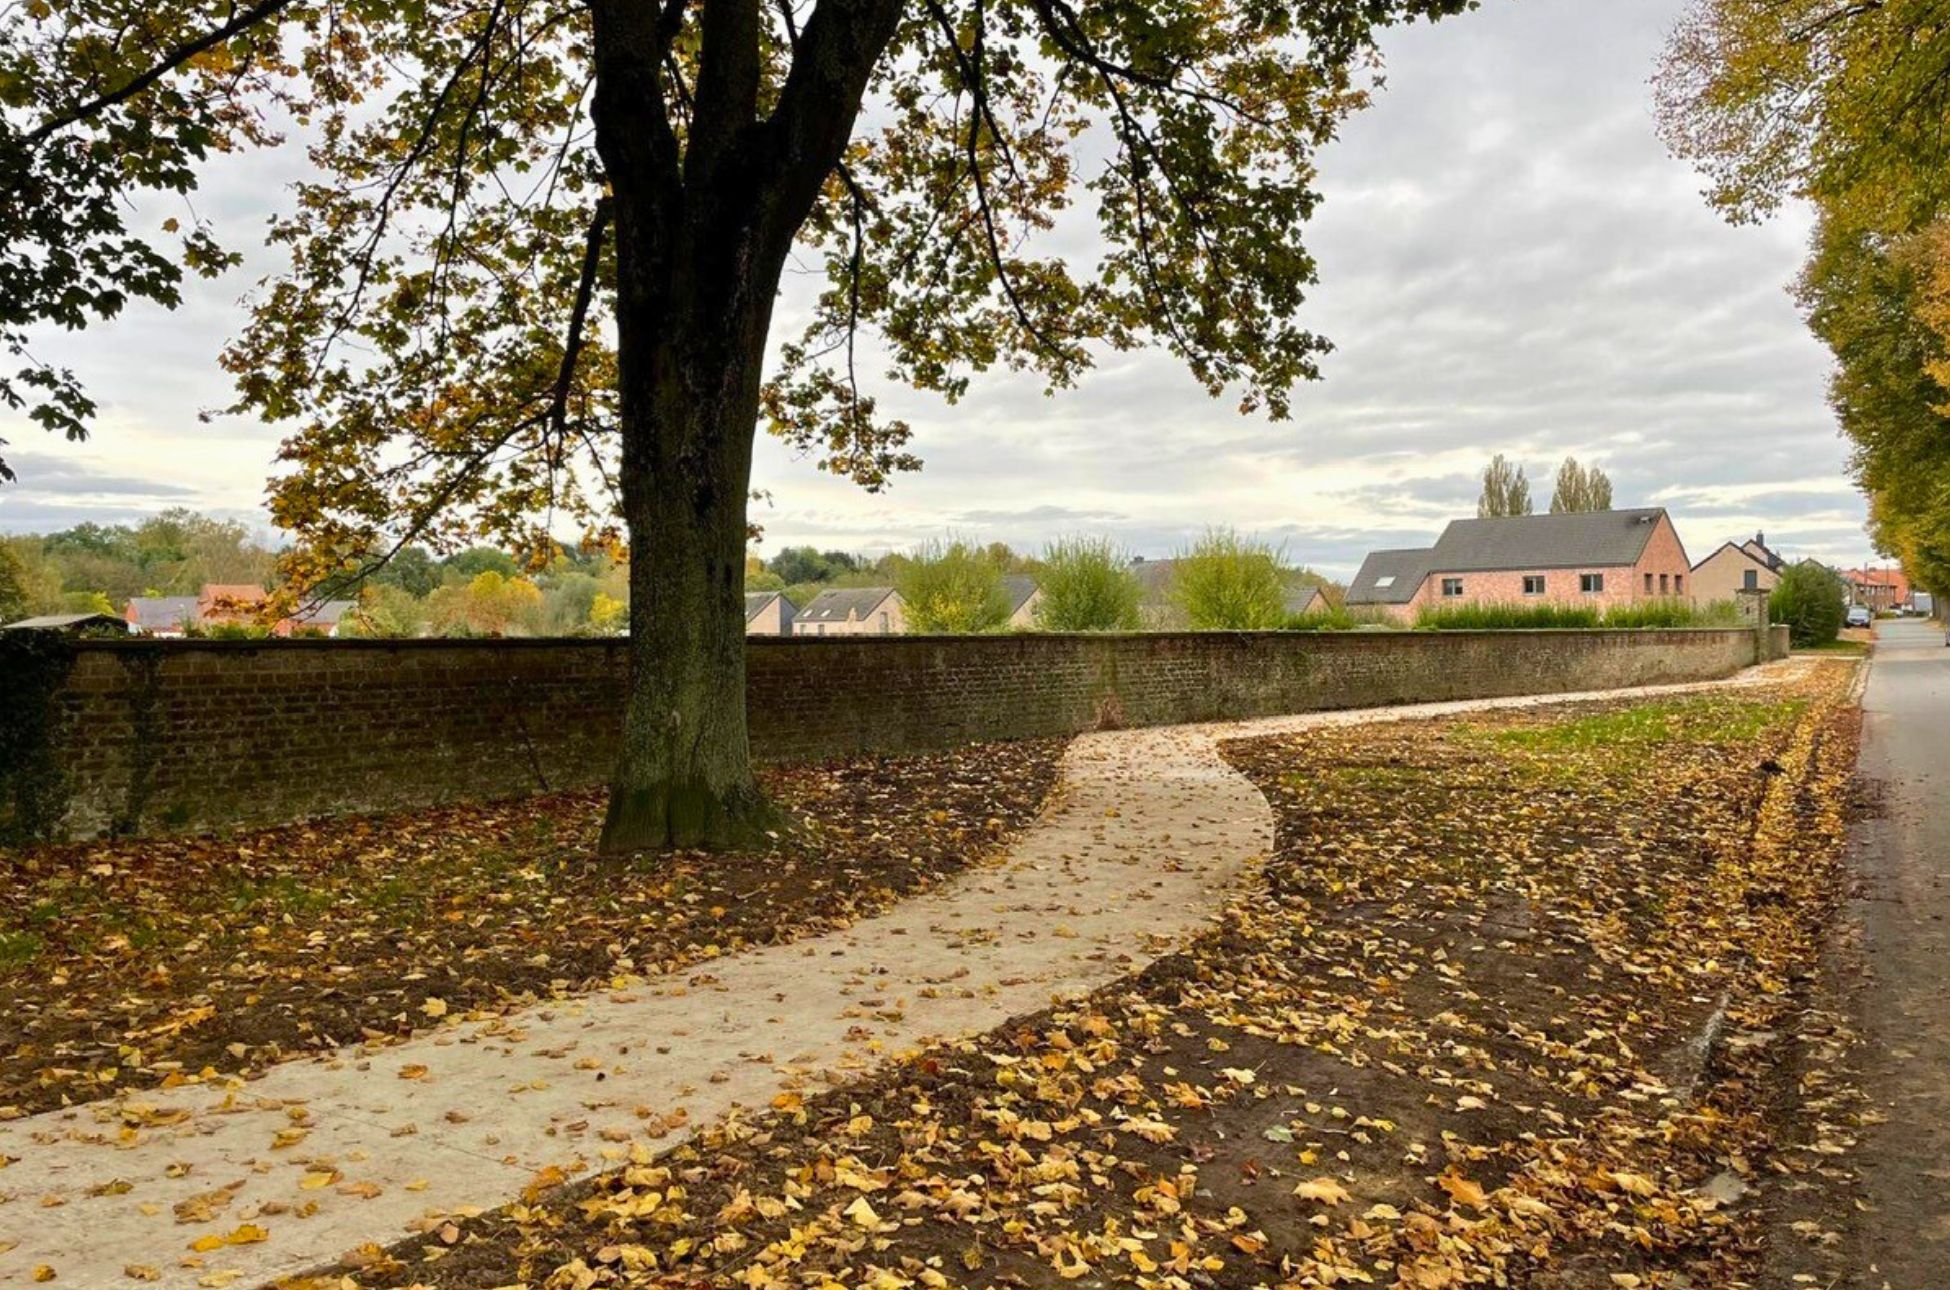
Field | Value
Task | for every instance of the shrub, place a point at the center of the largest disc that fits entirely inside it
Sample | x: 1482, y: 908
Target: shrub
x: 385, y: 611
x: 1673, y: 613
x: 1521, y: 617
x: 1087, y: 586
x: 952, y: 587
x: 1503, y: 617
x: 1229, y: 583
x: 1810, y: 600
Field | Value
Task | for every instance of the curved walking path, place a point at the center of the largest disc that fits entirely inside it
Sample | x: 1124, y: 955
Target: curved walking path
x: 1148, y: 831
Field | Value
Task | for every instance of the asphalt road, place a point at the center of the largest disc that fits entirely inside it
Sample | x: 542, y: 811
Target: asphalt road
x: 1902, y: 857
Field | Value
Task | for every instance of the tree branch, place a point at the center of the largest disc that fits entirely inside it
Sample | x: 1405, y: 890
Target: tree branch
x: 171, y: 60
x: 592, y: 255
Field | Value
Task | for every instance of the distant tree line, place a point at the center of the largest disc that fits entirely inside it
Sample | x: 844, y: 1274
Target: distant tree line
x: 1221, y: 581
x: 479, y: 591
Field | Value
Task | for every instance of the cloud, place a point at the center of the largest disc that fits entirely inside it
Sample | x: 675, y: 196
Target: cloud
x: 1509, y: 262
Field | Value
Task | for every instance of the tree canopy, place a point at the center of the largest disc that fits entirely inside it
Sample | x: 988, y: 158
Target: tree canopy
x: 1846, y: 106
x: 1088, y: 586
x: 1505, y: 490
x: 1580, y: 488
x: 441, y: 343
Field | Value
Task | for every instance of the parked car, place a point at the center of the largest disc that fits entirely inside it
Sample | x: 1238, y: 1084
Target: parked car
x: 1858, y: 616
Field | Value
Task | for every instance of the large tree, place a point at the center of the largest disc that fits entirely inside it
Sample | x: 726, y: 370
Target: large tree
x: 1845, y: 105
x: 1505, y: 490
x: 1580, y: 488
x: 532, y: 275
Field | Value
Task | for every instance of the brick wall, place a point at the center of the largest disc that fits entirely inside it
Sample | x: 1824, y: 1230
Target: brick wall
x: 169, y: 735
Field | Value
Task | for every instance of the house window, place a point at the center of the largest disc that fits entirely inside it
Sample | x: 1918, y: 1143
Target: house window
x: 886, y: 625
x: 1452, y: 586
x: 1533, y: 584
x: 822, y: 629
x: 1385, y: 580
x: 1678, y: 584
x: 1591, y: 583
x: 1663, y: 587
x: 1750, y: 580
x: 1648, y: 584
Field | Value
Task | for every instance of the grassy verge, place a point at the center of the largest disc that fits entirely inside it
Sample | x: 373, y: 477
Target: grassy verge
x: 138, y: 963
x: 1470, y: 1030
x: 1520, y: 617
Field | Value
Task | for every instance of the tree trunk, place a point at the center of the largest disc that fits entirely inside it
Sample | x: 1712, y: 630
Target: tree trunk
x: 702, y: 231
x: 690, y: 365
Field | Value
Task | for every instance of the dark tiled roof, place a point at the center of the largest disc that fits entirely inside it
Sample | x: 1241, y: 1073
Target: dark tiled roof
x: 1018, y: 587
x: 755, y: 602
x: 1299, y: 595
x: 831, y: 605
x: 1577, y: 540
x: 1154, y: 576
x: 1389, y: 577
x: 162, y: 613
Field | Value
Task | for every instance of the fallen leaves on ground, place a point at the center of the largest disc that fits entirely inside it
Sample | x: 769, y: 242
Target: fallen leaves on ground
x: 145, y: 962
x: 1509, y: 1006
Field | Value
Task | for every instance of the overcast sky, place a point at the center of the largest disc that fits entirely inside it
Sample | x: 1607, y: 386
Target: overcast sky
x: 1509, y: 262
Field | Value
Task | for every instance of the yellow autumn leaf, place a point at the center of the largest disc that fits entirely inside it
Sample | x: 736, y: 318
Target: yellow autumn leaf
x: 1462, y: 1190
x: 1324, y: 1190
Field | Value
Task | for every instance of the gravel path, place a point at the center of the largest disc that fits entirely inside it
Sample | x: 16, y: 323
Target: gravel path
x: 216, y: 1186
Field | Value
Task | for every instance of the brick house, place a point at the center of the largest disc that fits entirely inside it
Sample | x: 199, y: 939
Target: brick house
x: 1882, y: 590
x: 852, y: 611
x: 1736, y: 567
x: 769, y: 613
x: 1599, y: 559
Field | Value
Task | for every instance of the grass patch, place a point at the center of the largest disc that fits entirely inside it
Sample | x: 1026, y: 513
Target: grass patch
x: 18, y: 949
x: 1846, y: 648
x: 1714, y: 722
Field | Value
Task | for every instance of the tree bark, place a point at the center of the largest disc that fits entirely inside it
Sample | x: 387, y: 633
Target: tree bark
x: 690, y: 365
x: 702, y: 234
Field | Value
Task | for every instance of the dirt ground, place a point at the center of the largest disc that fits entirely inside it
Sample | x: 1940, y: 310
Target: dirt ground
x: 150, y: 962
x: 1517, y: 1001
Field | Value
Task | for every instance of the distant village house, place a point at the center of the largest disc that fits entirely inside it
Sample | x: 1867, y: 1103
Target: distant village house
x: 1737, y: 567
x: 230, y: 605
x: 852, y: 611
x: 1595, y: 558
x: 1024, y: 596
x: 769, y: 613
x: 1882, y: 591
